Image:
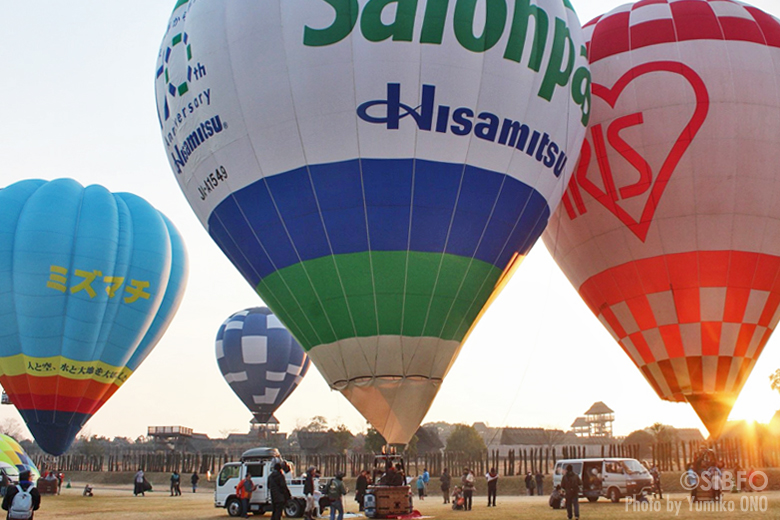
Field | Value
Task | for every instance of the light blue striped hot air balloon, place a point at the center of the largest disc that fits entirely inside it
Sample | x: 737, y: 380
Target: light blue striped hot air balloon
x: 260, y: 360
x: 375, y: 169
x: 89, y: 282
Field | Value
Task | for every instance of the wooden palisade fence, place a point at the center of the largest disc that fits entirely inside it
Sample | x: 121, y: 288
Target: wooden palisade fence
x: 671, y: 456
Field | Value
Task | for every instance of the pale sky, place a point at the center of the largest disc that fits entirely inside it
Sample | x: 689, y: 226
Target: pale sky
x: 77, y: 97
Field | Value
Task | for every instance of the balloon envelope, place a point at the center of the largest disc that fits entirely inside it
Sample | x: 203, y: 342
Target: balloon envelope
x: 670, y: 227
x: 14, y: 460
x: 260, y: 360
x: 375, y: 170
x: 89, y: 281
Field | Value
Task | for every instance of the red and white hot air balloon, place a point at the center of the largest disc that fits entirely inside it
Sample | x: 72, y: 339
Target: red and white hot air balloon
x: 670, y: 228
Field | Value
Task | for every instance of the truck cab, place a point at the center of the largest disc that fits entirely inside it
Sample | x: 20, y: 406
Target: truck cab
x: 258, y: 463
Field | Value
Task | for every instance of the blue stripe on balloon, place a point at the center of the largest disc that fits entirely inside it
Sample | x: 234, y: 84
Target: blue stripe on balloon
x: 378, y: 200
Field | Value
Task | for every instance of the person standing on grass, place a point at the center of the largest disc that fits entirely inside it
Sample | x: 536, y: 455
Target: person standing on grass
x: 244, y: 491
x: 529, y: 484
x: 308, y: 492
x: 539, y: 483
x: 280, y: 494
x: 446, y: 481
x: 194, y: 480
x: 175, y: 484
x: 361, y: 485
x: 139, y: 483
x: 467, y: 480
x: 336, y: 492
x: 571, y: 484
x: 426, y: 478
x: 492, y: 486
x: 420, y: 487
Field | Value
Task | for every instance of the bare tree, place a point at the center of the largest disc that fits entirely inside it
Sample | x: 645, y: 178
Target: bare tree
x: 12, y: 428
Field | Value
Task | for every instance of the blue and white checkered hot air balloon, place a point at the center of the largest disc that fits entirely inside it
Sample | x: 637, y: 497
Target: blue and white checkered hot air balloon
x: 261, y: 361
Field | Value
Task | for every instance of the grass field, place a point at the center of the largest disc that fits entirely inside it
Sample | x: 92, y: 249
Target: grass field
x: 118, y: 502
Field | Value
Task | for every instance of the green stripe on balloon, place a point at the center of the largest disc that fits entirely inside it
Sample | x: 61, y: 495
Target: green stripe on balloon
x: 406, y: 293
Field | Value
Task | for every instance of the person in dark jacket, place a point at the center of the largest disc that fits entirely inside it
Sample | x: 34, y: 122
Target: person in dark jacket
x: 194, y: 481
x: 571, y: 484
x: 529, y: 484
x: 446, y: 481
x: 277, y: 486
x: 26, y: 485
x: 361, y: 485
x: 539, y: 483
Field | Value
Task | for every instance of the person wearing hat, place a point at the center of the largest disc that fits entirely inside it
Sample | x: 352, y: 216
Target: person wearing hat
x: 25, y: 485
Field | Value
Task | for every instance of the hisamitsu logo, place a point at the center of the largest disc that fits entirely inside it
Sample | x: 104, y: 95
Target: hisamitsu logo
x: 461, y: 122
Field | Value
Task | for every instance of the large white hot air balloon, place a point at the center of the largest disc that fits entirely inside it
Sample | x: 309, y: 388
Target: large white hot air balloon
x: 375, y: 169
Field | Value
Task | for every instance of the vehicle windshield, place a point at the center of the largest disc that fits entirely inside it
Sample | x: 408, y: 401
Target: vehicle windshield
x: 633, y: 466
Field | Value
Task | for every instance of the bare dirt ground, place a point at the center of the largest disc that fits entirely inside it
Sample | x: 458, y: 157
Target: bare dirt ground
x: 118, y: 503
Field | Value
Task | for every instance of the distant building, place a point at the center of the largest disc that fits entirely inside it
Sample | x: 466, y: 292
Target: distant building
x: 689, y: 434
x: 168, y: 432
x: 580, y: 427
x: 267, y: 430
x: 600, y: 418
x: 526, y: 438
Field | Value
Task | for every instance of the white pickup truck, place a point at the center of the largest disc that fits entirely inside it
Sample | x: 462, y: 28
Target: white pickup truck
x: 257, y: 462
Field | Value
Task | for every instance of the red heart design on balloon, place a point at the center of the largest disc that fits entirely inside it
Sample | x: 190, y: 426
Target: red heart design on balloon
x: 608, y: 198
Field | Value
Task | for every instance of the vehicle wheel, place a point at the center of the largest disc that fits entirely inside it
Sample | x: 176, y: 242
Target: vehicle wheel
x: 233, y: 507
x: 592, y: 499
x: 614, y: 494
x: 294, y: 508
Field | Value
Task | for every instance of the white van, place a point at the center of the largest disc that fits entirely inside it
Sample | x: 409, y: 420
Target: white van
x: 613, y: 478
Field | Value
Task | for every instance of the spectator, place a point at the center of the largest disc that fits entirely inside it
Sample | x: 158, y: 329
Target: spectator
x: 175, y: 484
x: 361, y: 485
x: 139, y: 488
x: 446, y: 481
x: 467, y: 481
x: 280, y: 494
x: 492, y: 486
x: 529, y: 484
x: 539, y: 483
x: 308, y: 492
x: 556, y: 498
x: 571, y: 484
x: 194, y: 481
x: 656, y: 474
x: 420, y: 487
x: 244, y: 491
x: 336, y: 492
x: 28, y: 501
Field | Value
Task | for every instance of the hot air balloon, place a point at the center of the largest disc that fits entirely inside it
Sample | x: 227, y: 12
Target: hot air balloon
x: 89, y: 281
x: 260, y: 360
x: 669, y: 229
x: 14, y: 460
x: 375, y: 170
